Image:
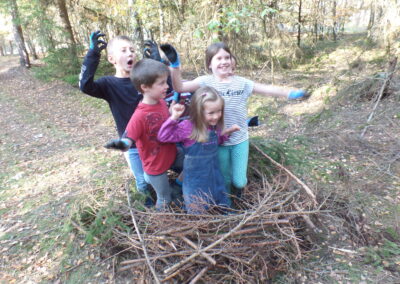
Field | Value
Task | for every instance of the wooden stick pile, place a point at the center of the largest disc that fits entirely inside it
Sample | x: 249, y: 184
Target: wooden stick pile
x: 262, y: 235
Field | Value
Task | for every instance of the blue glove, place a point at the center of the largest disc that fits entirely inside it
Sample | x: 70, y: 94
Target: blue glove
x: 176, y: 97
x: 97, y: 44
x: 117, y: 144
x: 171, y: 54
x: 296, y: 94
x: 150, y: 50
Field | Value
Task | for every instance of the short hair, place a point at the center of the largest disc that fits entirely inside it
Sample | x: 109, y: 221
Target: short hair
x: 196, y: 112
x: 111, y: 43
x: 146, y: 72
x: 213, y: 49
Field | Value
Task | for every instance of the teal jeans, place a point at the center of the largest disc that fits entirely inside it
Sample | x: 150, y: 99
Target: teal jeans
x: 233, y: 161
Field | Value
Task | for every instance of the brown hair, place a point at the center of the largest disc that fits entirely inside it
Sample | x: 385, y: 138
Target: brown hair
x: 146, y: 72
x: 111, y: 43
x: 196, y: 112
x: 213, y: 49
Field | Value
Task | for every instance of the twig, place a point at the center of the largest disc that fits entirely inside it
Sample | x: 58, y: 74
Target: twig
x: 306, y: 188
x: 224, y: 237
x: 343, y: 250
x: 169, y: 277
x: 391, y: 68
x: 268, y: 243
x: 307, y: 219
x: 132, y: 261
x: 140, y: 238
x: 80, y: 229
x: 205, y: 255
x: 296, y: 244
x: 199, y: 275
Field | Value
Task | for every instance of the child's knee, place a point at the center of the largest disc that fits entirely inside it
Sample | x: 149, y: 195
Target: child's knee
x: 239, y: 183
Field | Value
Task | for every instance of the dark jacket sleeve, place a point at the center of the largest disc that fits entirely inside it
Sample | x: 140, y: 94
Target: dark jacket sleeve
x: 86, y: 77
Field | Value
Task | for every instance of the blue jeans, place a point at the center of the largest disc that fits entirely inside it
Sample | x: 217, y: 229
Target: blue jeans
x: 161, y: 184
x: 134, y: 162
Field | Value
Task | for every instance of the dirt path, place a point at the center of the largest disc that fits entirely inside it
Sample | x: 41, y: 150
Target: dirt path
x: 50, y: 139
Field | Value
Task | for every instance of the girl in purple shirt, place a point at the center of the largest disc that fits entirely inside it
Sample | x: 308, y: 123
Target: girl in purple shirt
x: 203, y: 183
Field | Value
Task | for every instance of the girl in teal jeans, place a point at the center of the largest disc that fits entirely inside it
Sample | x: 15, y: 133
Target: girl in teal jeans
x: 234, y: 153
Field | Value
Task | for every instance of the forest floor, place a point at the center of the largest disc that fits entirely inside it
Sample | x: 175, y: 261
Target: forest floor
x: 53, y: 164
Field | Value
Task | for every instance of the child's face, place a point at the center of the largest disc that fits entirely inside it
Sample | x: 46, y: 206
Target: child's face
x: 123, y: 57
x: 221, y: 63
x: 212, y: 112
x: 158, y: 90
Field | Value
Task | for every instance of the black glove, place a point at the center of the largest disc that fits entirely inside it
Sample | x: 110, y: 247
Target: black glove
x: 117, y: 144
x: 253, y: 121
x: 95, y: 43
x: 151, y: 50
x: 171, y: 54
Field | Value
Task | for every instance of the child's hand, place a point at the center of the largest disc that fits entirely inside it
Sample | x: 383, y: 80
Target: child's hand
x: 150, y: 50
x: 230, y: 130
x: 97, y: 44
x: 176, y: 110
x: 297, y: 94
x: 253, y: 121
x: 171, y: 54
x: 118, y: 144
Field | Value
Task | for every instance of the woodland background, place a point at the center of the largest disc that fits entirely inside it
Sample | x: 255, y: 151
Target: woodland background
x: 259, y: 32
x: 63, y: 203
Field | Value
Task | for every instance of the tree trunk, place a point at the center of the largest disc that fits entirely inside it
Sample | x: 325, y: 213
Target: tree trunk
x: 334, y: 21
x: 137, y: 25
x: 63, y: 12
x: 315, y: 31
x: 18, y: 35
x: 32, y: 48
x: 299, y: 24
x: 46, y: 40
x: 371, y: 21
x: 161, y: 8
x: 11, y: 47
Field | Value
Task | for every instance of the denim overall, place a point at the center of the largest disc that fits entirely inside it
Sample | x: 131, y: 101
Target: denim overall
x: 203, y: 182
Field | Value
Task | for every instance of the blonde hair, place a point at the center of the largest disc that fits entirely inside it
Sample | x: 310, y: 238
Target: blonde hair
x: 196, y: 112
x: 111, y: 43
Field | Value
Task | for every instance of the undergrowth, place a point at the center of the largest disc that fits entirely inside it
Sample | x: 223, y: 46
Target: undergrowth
x: 58, y: 64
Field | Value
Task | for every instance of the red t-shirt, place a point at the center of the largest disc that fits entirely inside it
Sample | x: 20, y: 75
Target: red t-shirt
x: 157, y: 157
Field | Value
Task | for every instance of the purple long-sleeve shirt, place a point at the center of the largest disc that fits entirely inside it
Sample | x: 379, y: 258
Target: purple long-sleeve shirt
x: 175, y: 131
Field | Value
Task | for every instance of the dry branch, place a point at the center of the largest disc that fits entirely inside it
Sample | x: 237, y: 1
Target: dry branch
x: 305, y: 187
x: 390, y: 72
x: 140, y: 238
x: 266, y: 233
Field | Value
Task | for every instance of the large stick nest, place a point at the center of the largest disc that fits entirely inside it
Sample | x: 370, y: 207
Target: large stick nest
x: 264, y: 234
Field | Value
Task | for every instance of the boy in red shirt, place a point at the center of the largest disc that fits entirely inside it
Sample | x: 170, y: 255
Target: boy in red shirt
x: 150, y: 78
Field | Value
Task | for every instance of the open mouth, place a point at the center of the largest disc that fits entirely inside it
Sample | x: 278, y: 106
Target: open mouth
x: 130, y: 63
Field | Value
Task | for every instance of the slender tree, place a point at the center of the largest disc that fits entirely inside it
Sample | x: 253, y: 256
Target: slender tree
x: 334, y: 26
x: 63, y: 12
x: 299, y: 20
x: 18, y: 34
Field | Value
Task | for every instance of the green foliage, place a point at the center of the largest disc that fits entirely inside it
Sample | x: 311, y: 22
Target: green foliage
x: 268, y: 12
x: 292, y: 152
x: 324, y: 114
x: 386, y: 255
x: 230, y: 19
x: 59, y: 64
x: 100, y: 224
